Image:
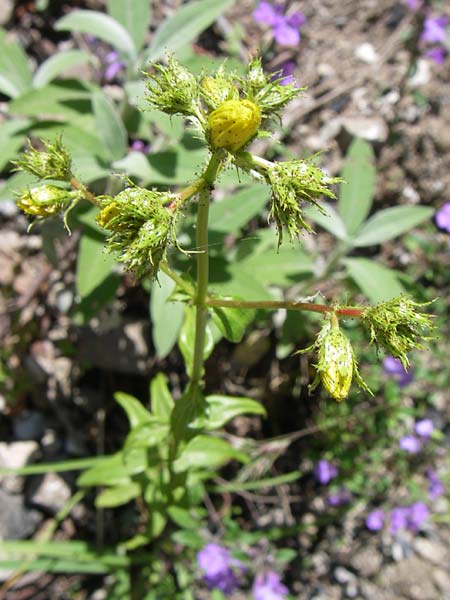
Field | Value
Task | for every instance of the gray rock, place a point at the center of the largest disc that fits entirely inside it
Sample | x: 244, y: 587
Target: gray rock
x: 326, y: 592
x: 15, y: 456
x: 367, y: 53
x: 370, y: 591
x: 343, y: 575
x: 6, y: 10
x: 8, y: 208
x: 51, y: 493
x: 409, y: 578
x: 351, y: 590
x: 29, y: 425
x: 432, y: 550
x: 16, y: 521
x: 441, y: 578
x: 373, y: 129
x: 367, y: 561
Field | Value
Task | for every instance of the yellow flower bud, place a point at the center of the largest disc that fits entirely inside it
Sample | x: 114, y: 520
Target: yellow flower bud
x: 233, y: 124
x: 108, y: 212
x: 43, y: 201
x: 336, y: 364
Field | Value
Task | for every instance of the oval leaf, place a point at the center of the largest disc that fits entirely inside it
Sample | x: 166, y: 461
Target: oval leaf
x: 377, y: 282
x: 161, y: 398
x: 137, y: 414
x: 167, y: 317
x: 390, y: 223
x: 93, y: 265
x: 110, y: 127
x: 116, y: 496
x: 56, y: 65
x: 100, y: 25
x: 221, y: 409
x: 207, y: 452
x: 134, y: 15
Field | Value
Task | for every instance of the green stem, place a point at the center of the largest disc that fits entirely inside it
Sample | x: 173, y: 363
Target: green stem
x: 209, y: 176
x: 351, y: 311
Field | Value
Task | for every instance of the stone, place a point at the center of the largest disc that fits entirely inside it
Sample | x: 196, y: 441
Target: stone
x: 409, y: 578
x: 50, y: 494
x: 441, y: 578
x: 343, y: 575
x: 367, y: 53
x: 326, y: 592
x: 370, y: 591
x: 367, y: 561
x: 16, y: 521
x: 432, y: 551
x: 29, y: 425
x: 372, y: 129
x: 14, y: 456
x: 6, y: 11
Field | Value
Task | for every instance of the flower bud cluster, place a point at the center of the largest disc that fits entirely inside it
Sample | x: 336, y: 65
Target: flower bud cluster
x: 141, y: 227
x: 398, y: 326
x: 54, y: 162
x: 336, y: 364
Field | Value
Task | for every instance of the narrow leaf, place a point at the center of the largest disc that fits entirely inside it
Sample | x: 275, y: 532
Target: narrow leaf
x: 356, y: 196
x: 332, y: 221
x: 55, y: 66
x: 167, y: 316
x: 15, y: 73
x: 207, y: 452
x: 101, y: 26
x: 390, y: 223
x: 116, y: 496
x: 161, y: 398
x: 137, y: 414
x: 221, y: 409
x: 185, y: 25
x: 110, y: 127
x: 93, y: 265
x: 134, y: 15
x: 377, y: 282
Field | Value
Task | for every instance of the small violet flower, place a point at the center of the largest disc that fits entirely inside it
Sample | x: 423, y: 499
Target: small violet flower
x: 414, y: 5
x: 399, y: 518
x: 436, y: 487
x: 216, y: 563
x: 286, y: 71
x: 443, y: 217
x: 339, y: 498
x: 393, y: 367
x: 139, y: 146
x: 410, y: 444
x: 285, y: 29
x: 434, y: 30
x: 424, y: 428
x: 324, y: 471
x: 375, y: 520
x: 409, y: 517
x: 437, y: 54
x: 113, y: 66
x: 268, y: 586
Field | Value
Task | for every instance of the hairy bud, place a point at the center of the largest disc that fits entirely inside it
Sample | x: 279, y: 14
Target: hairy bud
x: 141, y: 228
x: 336, y: 365
x: 53, y: 162
x: 398, y: 326
x: 45, y: 201
x: 218, y: 88
x: 233, y: 124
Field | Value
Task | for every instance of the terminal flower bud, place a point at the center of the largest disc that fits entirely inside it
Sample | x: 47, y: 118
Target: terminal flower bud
x: 45, y: 200
x: 141, y: 227
x: 54, y: 162
x: 218, y: 88
x: 233, y: 124
x: 336, y: 365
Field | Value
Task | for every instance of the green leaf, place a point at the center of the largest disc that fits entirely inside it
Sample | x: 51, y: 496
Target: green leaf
x: 182, y: 518
x: 167, y: 317
x: 332, y: 222
x: 377, y: 282
x: 207, y: 452
x: 56, y: 65
x: 221, y: 409
x: 147, y: 434
x: 231, y: 214
x: 161, y: 398
x: 187, y: 338
x: 93, y: 265
x: 137, y: 414
x: 232, y: 322
x: 109, y: 126
x: 184, y: 26
x: 390, y: 223
x: 76, y: 464
x: 15, y: 74
x: 12, y: 136
x: 116, y: 496
x: 109, y: 471
x: 356, y: 196
x: 259, y: 484
x: 135, y: 16
x: 100, y: 25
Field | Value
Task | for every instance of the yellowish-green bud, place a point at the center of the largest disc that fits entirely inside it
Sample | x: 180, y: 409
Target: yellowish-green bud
x: 218, y: 89
x: 44, y: 201
x: 336, y: 364
x: 53, y: 162
x: 233, y: 124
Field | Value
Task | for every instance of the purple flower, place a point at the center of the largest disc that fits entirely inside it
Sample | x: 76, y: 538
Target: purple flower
x: 414, y: 5
x: 339, y: 498
x: 114, y: 66
x: 443, y: 217
x: 436, y: 487
x: 434, y: 31
x: 285, y: 29
x: 284, y: 73
x: 393, y: 367
x: 324, y: 471
x: 216, y: 563
x: 375, y: 520
x: 418, y: 513
x: 424, y: 428
x: 139, y: 146
x: 268, y: 586
x: 437, y: 54
x: 410, y: 444
x: 399, y: 518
